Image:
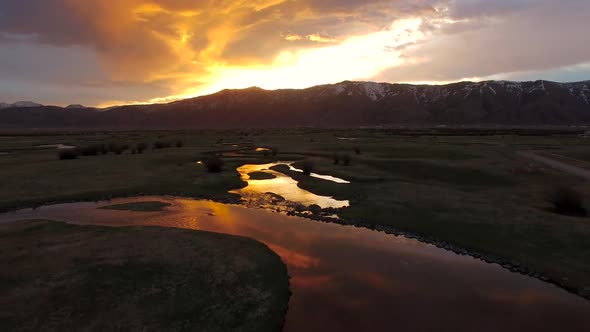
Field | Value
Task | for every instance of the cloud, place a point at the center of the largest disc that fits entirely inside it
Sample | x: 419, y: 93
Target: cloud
x: 502, y: 37
x: 185, y: 47
x: 181, y: 41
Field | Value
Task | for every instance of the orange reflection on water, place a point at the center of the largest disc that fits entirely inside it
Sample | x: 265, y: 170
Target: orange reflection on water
x: 284, y: 186
x: 353, y: 279
x: 293, y: 258
x: 313, y: 282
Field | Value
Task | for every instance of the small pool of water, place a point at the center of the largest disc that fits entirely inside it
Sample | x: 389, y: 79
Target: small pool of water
x: 56, y: 146
x: 282, y: 185
x: 345, y: 278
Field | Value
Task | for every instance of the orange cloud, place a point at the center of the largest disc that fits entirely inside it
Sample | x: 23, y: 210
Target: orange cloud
x: 195, y: 46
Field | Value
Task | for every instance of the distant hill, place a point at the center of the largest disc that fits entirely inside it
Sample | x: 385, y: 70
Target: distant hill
x: 346, y: 104
x: 20, y: 104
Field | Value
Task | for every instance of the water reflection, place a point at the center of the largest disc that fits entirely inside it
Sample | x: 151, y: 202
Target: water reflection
x: 319, y: 176
x: 282, y: 185
x: 353, y: 279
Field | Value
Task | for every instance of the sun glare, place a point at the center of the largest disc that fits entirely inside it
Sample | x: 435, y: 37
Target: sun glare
x: 358, y: 57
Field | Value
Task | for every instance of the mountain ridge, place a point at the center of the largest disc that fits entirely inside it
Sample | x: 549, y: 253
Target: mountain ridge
x: 348, y: 103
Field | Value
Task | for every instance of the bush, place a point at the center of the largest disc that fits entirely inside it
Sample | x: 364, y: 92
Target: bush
x: 307, y: 167
x: 274, y: 151
x: 140, y: 147
x: 567, y: 201
x: 336, y: 159
x: 214, y: 164
x: 345, y: 159
x: 357, y: 150
x: 179, y: 144
x: 162, y: 145
x: 93, y: 150
x: 68, y: 154
x: 115, y: 148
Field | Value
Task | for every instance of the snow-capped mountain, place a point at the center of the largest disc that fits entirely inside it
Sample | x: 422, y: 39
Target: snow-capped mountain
x: 25, y: 104
x: 345, y: 104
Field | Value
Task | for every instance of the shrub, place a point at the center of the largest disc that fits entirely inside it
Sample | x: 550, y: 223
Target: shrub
x: 567, y: 201
x: 214, y: 164
x: 307, y: 167
x: 93, y: 150
x: 274, y: 151
x: 68, y: 154
x: 162, y: 145
x: 125, y: 147
x: 114, y: 148
x: 141, y: 147
x: 179, y: 144
x: 345, y: 159
x: 357, y: 150
x: 336, y: 159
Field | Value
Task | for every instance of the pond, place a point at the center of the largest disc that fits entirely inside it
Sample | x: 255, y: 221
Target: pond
x: 345, y: 278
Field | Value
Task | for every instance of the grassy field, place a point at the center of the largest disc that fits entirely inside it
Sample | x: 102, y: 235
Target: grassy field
x: 71, y: 278
x: 472, y: 191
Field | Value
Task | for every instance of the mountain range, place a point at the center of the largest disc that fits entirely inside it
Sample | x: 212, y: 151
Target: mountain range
x: 345, y: 104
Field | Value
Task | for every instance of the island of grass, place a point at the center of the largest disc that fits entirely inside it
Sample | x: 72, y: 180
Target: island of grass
x: 64, y: 278
x: 261, y: 176
x: 151, y: 206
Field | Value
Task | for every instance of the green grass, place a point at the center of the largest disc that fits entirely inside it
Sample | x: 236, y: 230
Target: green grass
x: 64, y: 278
x: 138, y: 206
x: 472, y: 191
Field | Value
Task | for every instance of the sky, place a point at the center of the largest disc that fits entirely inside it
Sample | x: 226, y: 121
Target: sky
x: 107, y: 52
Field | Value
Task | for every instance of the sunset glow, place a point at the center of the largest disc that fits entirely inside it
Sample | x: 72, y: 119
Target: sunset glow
x: 100, y: 52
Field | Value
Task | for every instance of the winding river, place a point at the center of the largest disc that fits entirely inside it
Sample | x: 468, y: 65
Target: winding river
x: 345, y: 278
